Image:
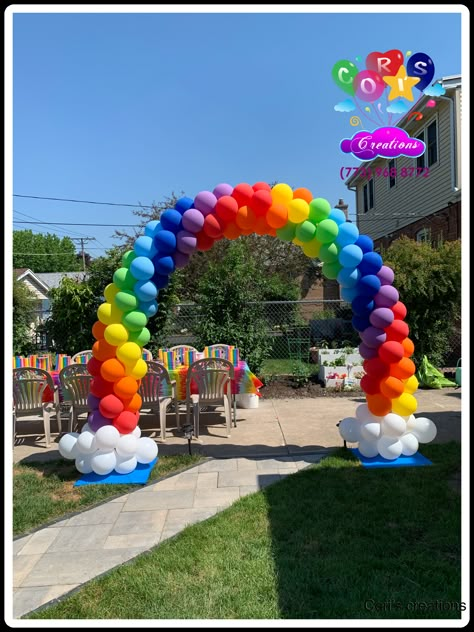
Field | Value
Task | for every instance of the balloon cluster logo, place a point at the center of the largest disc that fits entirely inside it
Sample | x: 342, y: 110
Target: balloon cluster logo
x: 383, y: 92
x: 111, y: 439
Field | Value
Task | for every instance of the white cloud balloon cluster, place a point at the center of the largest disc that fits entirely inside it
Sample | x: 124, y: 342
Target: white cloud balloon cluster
x: 107, y: 450
x: 390, y: 436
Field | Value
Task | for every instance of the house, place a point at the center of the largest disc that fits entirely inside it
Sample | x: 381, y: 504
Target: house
x: 418, y: 197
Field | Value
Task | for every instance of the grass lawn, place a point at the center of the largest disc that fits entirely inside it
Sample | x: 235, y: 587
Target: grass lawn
x: 334, y: 541
x: 43, y: 492
x: 285, y: 366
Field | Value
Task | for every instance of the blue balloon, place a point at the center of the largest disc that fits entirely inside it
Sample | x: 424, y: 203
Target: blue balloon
x: 164, y: 265
x: 149, y: 308
x: 360, y: 323
x: 348, y: 277
x: 183, y: 204
x: 348, y: 294
x: 348, y: 234
x: 171, y: 220
x: 371, y: 263
x: 421, y: 65
x: 160, y: 280
x: 337, y: 216
x: 144, y: 247
x: 368, y: 285
x: 350, y: 256
x: 152, y: 227
x: 363, y: 305
x: 365, y: 243
x: 165, y: 242
x: 142, y: 268
x: 145, y: 291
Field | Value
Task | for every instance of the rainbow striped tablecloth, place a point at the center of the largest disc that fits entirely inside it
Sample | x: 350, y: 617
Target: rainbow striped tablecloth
x: 244, y: 381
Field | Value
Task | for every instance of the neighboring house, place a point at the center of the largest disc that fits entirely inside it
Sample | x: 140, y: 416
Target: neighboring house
x: 422, y: 198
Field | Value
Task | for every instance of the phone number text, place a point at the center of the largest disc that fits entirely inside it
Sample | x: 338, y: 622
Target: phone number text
x: 378, y: 172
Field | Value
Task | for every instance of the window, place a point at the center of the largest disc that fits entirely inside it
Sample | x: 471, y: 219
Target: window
x: 423, y: 235
x: 420, y: 161
x: 432, y: 144
x: 369, y: 195
x: 391, y: 171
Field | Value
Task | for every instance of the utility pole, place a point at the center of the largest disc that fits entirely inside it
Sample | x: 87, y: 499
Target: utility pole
x: 82, y: 240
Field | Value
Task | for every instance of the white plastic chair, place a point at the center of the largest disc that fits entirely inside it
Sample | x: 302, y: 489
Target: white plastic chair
x: 151, y: 389
x: 179, y: 351
x: 82, y: 357
x: 75, y: 381
x: 213, y: 378
x: 147, y: 354
x: 222, y: 350
x: 29, y: 385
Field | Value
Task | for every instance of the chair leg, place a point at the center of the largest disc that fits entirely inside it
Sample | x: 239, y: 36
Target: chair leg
x: 228, y: 413
x: 196, y: 419
x: 163, y: 407
x: 47, y: 427
x: 176, y: 409
x: 58, y: 417
x: 234, y: 406
x: 14, y: 427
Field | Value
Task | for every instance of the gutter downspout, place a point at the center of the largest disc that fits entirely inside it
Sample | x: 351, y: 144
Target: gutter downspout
x: 453, y: 144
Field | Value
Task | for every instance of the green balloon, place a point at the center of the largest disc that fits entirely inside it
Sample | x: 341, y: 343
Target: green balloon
x: 331, y: 270
x: 124, y: 279
x: 343, y: 73
x: 134, y: 321
x: 141, y: 337
x: 328, y: 253
x: 305, y: 231
x: 319, y: 209
x: 287, y: 233
x: 127, y: 258
x: 126, y: 300
x: 327, y: 230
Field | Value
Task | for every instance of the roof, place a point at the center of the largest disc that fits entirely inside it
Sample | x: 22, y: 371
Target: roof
x: 22, y: 273
x: 53, y: 279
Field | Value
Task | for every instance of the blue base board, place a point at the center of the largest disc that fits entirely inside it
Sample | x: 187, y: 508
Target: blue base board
x: 139, y: 476
x: 416, y: 459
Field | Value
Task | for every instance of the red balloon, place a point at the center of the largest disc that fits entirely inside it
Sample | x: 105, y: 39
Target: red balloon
x: 100, y: 387
x: 213, y: 226
x: 399, y: 310
x: 110, y: 406
x: 390, y: 352
x: 403, y: 369
x: 226, y: 208
x: 385, y: 63
x: 243, y: 193
x: 125, y: 422
x: 408, y: 347
x: 379, y: 405
x: 261, y: 202
x: 391, y: 387
x: 93, y: 366
x: 398, y: 330
x: 370, y: 384
x: 376, y: 367
x: 204, y: 242
x: 261, y: 186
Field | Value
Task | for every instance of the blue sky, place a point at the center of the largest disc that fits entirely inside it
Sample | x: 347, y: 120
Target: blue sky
x: 128, y: 108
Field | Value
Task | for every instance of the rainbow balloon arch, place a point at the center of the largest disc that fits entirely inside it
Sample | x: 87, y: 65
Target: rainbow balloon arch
x: 385, y: 425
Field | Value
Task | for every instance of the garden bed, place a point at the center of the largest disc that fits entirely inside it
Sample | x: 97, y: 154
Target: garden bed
x: 285, y: 387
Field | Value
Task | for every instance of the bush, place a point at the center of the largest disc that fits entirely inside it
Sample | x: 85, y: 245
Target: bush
x: 23, y: 316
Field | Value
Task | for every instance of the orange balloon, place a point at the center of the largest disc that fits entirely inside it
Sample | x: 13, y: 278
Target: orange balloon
x: 379, y: 405
x: 232, y: 231
x: 98, y: 330
x: 245, y: 218
x: 392, y: 387
x: 408, y: 347
x: 277, y: 215
x: 261, y: 226
x: 403, y: 369
x: 303, y: 194
x: 271, y: 231
x: 112, y: 370
x: 102, y: 350
x: 126, y: 387
x: 370, y: 384
x: 133, y: 403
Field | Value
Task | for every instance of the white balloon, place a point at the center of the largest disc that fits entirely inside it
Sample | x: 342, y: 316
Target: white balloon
x: 137, y: 432
x: 107, y: 437
x: 409, y: 443
x: 423, y: 429
x: 125, y: 464
x: 368, y: 448
x: 83, y: 464
x: 370, y: 430
x: 67, y: 445
x: 363, y: 413
x: 393, y: 425
x: 390, y: 448
x: 86, y: 443
x: 147, y: 450
x: 104, y: 461
x: 410, y: 419
x: 349, y: 429
x: 127, y: 445
x: 86, y: 427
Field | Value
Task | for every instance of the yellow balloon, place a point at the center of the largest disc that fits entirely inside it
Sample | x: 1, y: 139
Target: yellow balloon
x: 110, y: 291
x: 129, y: 352
x: 108, y: 314
x: 411, y: 385
x: 116, y: 334
x: 296, y: 241
x: 298, y: 211
x: 137, y: 370
x: 404, y: 405
x: 282, y: 193
x: 312, y: 248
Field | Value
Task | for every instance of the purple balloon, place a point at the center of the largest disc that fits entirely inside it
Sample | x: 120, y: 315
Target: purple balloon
x: 93, y: 402
x: 96, y: 420
x: 193, y: 220
x: 186, y: 242
x: 205, y: 201
x: 387, y: 296
x: 180, y: 259
x: 381, y: 317
x: 367, y: 352
x: 223, y: 189
x: 386, y: 275
x: 373, y: 337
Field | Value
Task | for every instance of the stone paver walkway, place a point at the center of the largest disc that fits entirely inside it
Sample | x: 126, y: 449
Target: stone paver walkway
x: 57, y: 559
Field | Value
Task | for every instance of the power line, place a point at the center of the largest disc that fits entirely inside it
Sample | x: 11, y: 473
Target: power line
x: 77, y: 224
x: 72, y: 232
x: 55, y: 199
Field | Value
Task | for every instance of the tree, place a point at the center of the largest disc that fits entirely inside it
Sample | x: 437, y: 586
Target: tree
x: 23, y: 316
x: 429, y: 282
x: 44, y: 253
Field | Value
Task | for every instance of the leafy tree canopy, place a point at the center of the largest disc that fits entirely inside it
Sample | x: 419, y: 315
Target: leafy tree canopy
x: 44, y: 253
